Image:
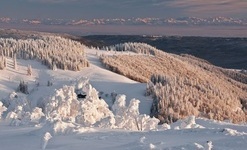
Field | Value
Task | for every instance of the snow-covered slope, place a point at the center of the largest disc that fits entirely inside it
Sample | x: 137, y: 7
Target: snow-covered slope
x: 102, y: 79
x: 108, y: 82
x: 66, y: 133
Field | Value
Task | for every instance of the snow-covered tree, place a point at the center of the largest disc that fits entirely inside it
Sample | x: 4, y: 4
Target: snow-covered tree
x: 46, y: 137
x: 2, y: 109
x: 182, y: 86
x: 19, y: 111
x: 92, y: 111
x: 128, y: 117
x: 136, y: 47
x: 3, y: 62
x: 50, y: 50
x: 63, y: 105
x: 15, y: 62
x: 29, y: 70
x: 54, y: 66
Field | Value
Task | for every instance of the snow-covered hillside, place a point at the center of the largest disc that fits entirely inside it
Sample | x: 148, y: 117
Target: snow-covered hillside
x: 51, y: 116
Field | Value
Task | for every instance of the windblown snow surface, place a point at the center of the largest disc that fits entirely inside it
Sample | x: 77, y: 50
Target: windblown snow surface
x: 52, y: 117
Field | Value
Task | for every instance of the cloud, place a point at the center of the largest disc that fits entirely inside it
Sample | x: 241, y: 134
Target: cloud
x: 125, y: 8
x: 182, y: 4
x: 53, y: 1
x: 130, y: 3
x: 210, y: 7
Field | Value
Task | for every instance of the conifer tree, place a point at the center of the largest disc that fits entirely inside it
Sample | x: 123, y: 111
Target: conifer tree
x: 29, y: 70
x: 14, y: 60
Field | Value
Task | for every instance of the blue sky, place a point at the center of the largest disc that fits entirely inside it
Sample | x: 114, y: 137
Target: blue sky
x: 87, y: 9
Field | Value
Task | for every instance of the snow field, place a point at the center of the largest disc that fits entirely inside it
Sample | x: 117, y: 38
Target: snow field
x: 51, y: 117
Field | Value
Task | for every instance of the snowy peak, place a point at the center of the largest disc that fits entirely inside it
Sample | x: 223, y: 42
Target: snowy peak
x: 182, y: 21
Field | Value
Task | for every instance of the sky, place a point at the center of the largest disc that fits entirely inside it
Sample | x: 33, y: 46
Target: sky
x: 88, y: 9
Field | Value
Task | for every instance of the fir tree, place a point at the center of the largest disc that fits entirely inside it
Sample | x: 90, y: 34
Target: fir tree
x: 29, y: 70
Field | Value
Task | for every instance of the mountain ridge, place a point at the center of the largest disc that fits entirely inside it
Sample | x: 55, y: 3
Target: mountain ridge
x: 181, y: 21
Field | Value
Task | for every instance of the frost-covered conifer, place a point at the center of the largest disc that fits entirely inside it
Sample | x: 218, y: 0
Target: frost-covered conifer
x: 54, y: 66
x: 182, y: 86
x: 2, y: 109
x: 29, y: 70
x: 15, y: 62
x: 2, y: 63
x: 47, y: 49
x: 208, y: 145
x: 129, y: 118
x: 47, y: 136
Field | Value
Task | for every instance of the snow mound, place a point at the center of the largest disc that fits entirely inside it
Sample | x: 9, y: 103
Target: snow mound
x: 207, y: 145
x: 232, y: 132
x: 58, y: 127
x: 199, y: 146
x: 187, y: 123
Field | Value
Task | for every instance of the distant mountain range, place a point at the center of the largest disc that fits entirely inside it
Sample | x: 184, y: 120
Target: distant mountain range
x: 183, y: 21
